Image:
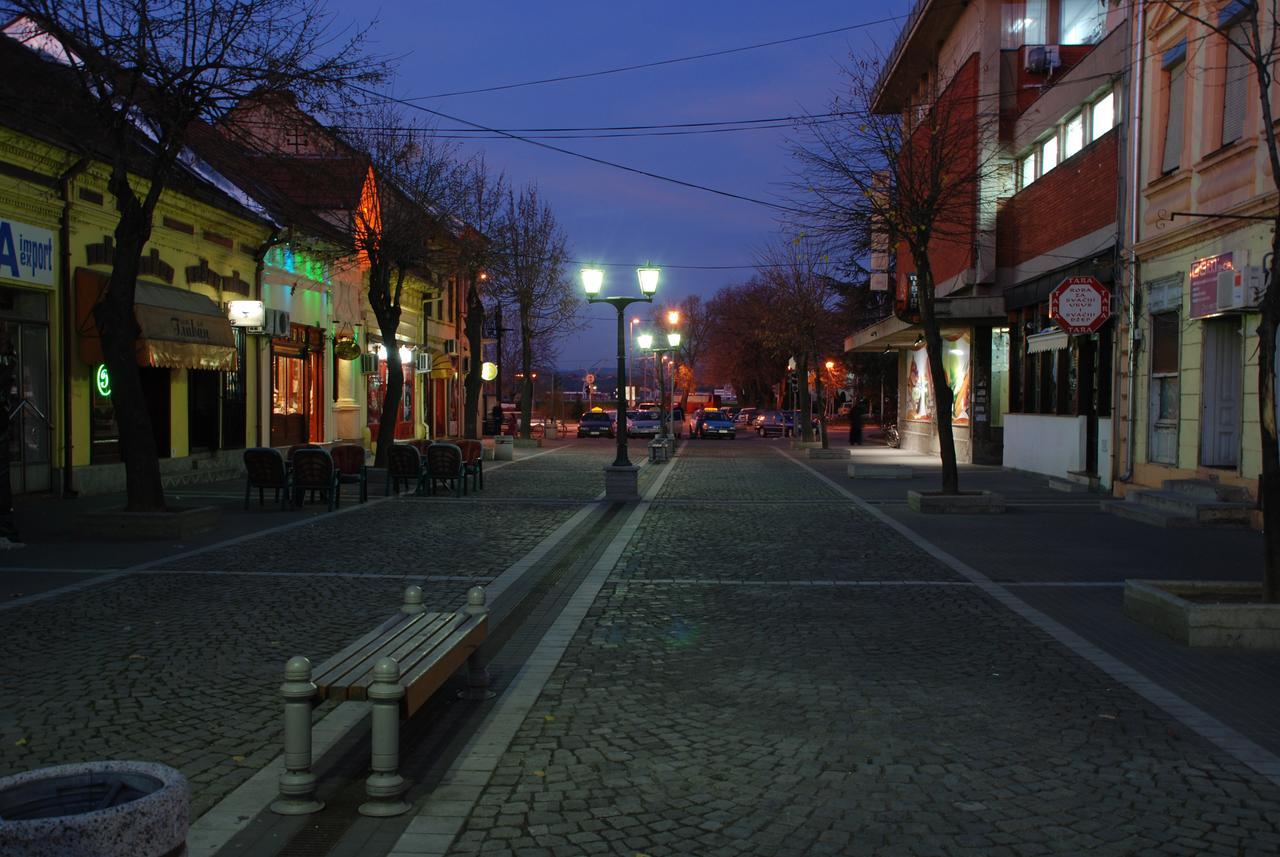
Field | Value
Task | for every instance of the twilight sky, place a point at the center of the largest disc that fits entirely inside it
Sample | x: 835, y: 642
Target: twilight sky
x: 612, y: 216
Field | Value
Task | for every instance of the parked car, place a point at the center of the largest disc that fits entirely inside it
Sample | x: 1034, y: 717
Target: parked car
x: 746, y: 417
x: 644, y: 422
x: 773, y: 424
x: 713, y: 422
x: 596, y: 422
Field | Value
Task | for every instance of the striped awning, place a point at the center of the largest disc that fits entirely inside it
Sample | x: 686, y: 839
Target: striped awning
x: 441, y: 366
x: 1051, y: 340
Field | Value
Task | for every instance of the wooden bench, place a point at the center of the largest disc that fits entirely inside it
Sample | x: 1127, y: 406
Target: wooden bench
x: 398, y: 666
x: 658, y: 450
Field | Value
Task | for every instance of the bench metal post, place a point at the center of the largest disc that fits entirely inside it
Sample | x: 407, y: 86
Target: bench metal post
x: 412, y: 601
x: 385, y: 785
x: 297, y: 783
x: 477, y: 671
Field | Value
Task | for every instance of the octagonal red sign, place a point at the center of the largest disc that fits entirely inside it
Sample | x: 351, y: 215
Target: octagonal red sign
x: 1080, y: 305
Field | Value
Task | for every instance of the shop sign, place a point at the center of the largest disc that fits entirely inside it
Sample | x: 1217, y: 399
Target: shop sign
x: 906, y: 305
x: 1204, y: 283
x: 102, y: 379
x: 1080, y: 305
x: 26, y: 253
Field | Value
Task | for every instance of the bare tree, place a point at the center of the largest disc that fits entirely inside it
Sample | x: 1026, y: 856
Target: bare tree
x: 155, y: 69
x: 739, y: 348
x: 695, y: 332
x: 915, y: 176
x: 481, y: 206
x: 531, y: 274
x: 1251, y: 31
x: 402, y: 226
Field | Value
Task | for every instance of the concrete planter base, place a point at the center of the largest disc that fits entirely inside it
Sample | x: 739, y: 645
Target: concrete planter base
x: 503, y: 448
x: 1187, y: 612
x: 621, y: 484
x: 880, y: 471
x: 174, y: 524
x: 968, y: 503
x: 105, y: 809
x: 818, y: 452
x: 528, y: 443
x: 806, y: 444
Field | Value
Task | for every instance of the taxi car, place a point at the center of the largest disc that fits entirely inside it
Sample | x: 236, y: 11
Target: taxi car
x: 713, y: 422
x: 596, y: 422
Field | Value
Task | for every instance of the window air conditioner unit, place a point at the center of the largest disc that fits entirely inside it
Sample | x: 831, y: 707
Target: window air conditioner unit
x: 1042, y: 59
x: 275, y: 322
x: 451, y: 346
x: 1241, y: 289
x: 422, y: 362
x: 368, y: 363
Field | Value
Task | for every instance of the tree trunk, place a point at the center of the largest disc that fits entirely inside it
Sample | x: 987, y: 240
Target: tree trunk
x: 822, y: 408
x: 804, y: 405
x: 474, y: 328
x: 388, y: 321
x: 118, y: 329
x: 938, y: 375
x: 526, y: 367
x: 1269, y: 482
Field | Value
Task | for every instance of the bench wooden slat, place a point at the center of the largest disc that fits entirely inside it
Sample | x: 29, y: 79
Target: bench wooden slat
x: 407, y: 651
x: 336, y: 671
x: 427, y: 675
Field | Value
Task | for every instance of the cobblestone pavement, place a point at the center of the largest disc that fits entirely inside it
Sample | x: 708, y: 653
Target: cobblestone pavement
x: 182, y: 665
x: 708, y: 716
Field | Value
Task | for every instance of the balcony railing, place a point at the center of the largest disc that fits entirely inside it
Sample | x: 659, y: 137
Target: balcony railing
x: 917, y: 9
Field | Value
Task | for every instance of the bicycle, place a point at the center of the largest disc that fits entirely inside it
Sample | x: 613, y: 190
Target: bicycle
x: 889, y: 428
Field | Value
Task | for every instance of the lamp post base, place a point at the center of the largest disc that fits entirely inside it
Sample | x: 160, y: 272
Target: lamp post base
x: 621, y: 484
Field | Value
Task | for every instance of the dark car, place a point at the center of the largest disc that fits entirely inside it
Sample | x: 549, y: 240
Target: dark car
x: 773, y: 424
x: 596, y: 423
x: 713, y: 422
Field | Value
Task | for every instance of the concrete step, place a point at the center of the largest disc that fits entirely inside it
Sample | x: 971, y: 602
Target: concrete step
x: 1207, y: 490
x: 1057, y: 483
x: 1085, y: 478
x: 1201, y: 510
x: 1147, y: 514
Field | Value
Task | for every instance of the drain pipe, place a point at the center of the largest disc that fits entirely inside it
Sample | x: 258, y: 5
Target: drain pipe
x: 1137, y: 46
x: 260, y: 264
x: 64, y: 238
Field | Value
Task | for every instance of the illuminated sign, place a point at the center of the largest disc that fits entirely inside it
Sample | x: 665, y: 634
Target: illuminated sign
x: 246, y: 314
x: 103, y: 380
x: 26, y: 253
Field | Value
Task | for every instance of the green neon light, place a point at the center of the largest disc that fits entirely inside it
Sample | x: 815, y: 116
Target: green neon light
x: 103, y: 380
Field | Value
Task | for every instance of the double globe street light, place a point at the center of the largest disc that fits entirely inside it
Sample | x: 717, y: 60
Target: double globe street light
x: 645, y: 341
x: 621, y: 478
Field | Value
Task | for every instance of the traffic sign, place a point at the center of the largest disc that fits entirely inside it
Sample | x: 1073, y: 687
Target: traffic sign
x: 1080, y: 305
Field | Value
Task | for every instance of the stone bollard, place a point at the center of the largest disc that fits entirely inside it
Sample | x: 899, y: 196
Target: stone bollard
x: 297, y: 783
x: 412, y: 601
x: 477, y: 671
x: 385, y: 785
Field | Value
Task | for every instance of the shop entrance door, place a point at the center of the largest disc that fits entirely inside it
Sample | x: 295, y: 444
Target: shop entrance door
x: 1220, y: 394
x: 30, y: 461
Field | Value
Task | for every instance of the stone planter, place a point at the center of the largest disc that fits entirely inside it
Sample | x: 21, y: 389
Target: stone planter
x: 95, y: 809
x: 819, y: 452
x: 806, y: 444
x: 503, y: 447
x: 1205, y: 613
x: 880, y: 471
x: 174, y: 524
x: 967, y: 503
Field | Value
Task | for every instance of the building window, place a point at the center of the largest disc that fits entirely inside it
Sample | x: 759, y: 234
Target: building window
x: 1102, y: 116
x: 1176, y: 77
x: 1164, y: 388
x: 1236, y: 86
x: 1048, y: 154
x: 1081, y: 22
x: 1041, y: 22
x: 1073, y: 136
x: 1026, y: 171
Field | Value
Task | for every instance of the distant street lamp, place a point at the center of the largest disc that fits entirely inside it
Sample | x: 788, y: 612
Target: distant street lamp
x: 621, y: 478
x: 645, y: 341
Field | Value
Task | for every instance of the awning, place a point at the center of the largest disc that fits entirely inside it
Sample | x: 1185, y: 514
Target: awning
x: 178, y: 329
x: 1051, y: 340
x: 441, y: 366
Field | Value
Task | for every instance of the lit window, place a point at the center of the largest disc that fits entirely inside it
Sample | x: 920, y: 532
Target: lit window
x: 1073, y: 139
x: 1103, y: 117
x: 1082, y: 21
x: 1027, y: 169
x: 1049, y: 154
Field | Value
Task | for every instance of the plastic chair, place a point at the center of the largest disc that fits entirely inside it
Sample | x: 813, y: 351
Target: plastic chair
x: 313, y: 470
x: 404, y: 465
x: 445, y: 464
x: 473, y: 461
x: 265, y: 468
x: 348, y: 460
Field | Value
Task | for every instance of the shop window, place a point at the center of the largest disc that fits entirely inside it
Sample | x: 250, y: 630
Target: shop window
x: 1073, y: 136
x: 999, y: 375
x: 1163, y: 446
x: 1236, y: 86
x: 1175, y: 75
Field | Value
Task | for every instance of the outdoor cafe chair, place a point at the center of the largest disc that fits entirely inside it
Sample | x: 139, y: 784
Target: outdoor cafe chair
x: 313, y: 470
x: 348, y: 459
x: 404, y: 466
x: 265, y: 468
x: 445, y: 464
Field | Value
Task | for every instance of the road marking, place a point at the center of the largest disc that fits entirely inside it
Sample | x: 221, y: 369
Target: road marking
x: 438, y: 821
x: 1248, y: 752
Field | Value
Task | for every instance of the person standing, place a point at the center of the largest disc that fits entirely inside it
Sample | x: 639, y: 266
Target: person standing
x: 855, y: 423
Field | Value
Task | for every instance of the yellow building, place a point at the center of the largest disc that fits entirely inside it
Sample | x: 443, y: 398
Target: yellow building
x: 1198, y: 239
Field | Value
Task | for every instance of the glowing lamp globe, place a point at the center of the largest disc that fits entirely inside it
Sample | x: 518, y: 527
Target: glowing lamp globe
x: 488, y: 370
x: 645, y: 340
x: 592, y: 280
x: 648, y: 279
x: 673, y: 338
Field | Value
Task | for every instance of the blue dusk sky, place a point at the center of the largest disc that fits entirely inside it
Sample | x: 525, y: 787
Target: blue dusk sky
x: 612, y: 216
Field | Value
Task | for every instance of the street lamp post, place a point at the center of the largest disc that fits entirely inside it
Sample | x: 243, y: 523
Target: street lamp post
x: 621, y: 478
x: 673, y: 343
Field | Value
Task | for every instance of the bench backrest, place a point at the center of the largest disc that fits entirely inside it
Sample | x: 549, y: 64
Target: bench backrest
x: 312, y: 468
x: 265, y: 467
x: 444, y: 461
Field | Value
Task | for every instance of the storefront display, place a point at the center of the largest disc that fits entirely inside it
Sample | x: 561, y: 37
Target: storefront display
x: 297, y: 381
